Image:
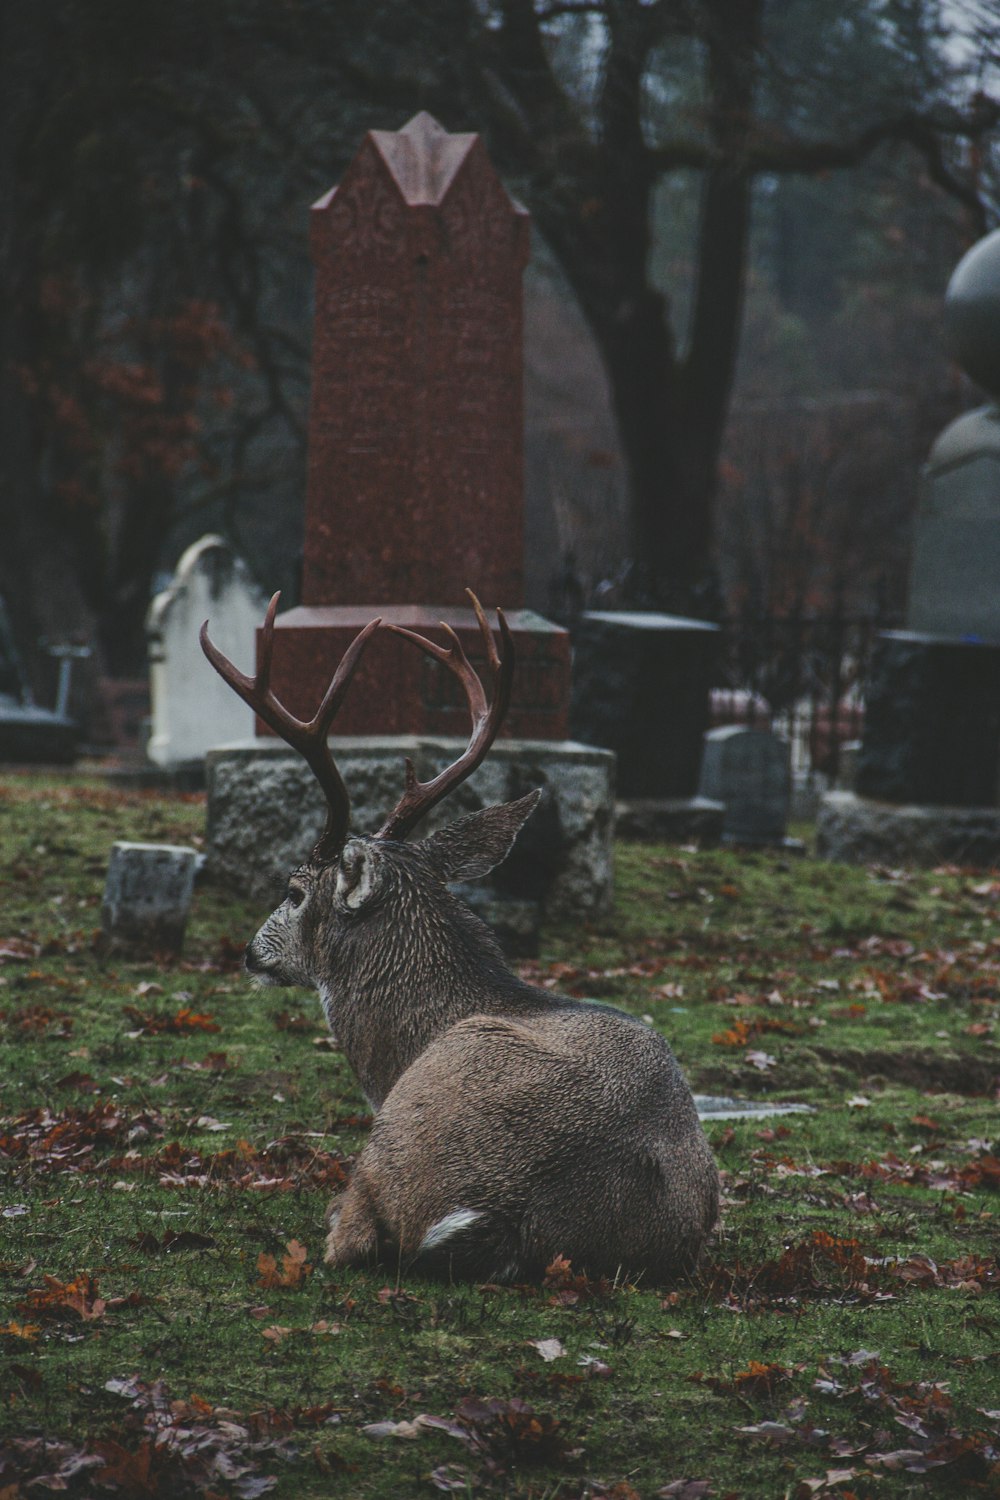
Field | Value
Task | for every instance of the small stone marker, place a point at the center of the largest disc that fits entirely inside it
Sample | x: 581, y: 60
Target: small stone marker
x: 749, y: 770
x: 147, y: 896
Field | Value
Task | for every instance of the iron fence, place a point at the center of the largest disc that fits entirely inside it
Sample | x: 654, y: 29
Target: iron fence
x: 802, y: 676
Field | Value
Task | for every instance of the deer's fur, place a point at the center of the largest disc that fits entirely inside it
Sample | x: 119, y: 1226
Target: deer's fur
x: 512, y: 1125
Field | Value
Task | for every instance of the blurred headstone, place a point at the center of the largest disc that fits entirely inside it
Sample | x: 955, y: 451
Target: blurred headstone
x: 932, y: 725
x: 192, y: 708
x: 956, y: 544
x: 147, y: 897
x: 749, y: 771
x: 641, y: 688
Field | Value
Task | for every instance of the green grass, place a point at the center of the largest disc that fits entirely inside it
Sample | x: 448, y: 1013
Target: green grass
x: 168, y: 1137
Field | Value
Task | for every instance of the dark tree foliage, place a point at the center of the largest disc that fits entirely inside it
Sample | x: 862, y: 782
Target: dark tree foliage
x: 156, y: 162
x: 155, y: 173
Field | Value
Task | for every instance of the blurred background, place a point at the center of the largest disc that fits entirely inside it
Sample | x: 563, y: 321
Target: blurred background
x: 745, y: 213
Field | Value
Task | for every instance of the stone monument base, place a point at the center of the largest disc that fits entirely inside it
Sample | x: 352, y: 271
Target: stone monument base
x: 860, y: 830
x: 266, y: 811
x: 397, y: 688
x: 670, y: 820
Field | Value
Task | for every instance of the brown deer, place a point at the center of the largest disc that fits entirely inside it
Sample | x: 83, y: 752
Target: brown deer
x: 511, y: 1125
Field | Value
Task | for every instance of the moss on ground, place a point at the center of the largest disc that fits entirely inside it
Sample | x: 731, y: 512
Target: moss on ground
x: 169, y: 1140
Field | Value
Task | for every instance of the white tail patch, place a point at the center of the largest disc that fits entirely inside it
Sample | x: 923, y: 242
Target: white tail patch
x: 457, y: 1222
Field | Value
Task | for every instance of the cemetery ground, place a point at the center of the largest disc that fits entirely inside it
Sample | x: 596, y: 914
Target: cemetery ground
x: 169, y: 1139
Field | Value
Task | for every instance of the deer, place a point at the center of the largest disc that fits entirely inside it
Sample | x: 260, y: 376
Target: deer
x: 512, y: 1125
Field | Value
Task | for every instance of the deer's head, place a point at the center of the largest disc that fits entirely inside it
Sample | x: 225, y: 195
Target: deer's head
x: 377, y: 898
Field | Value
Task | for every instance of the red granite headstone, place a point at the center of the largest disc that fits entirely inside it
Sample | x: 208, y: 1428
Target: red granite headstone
x: 415, y: 437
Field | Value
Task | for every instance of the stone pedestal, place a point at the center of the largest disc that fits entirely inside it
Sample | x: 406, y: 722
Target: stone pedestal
x: 932, y: 722
x: 861, y: 830
x: 265, y: 812
x: 401, y: 690
x: 671, y: 820
x: 641, y: 688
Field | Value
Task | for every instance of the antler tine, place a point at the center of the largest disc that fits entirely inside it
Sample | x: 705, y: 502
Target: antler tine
x: 307, y: 736
x: 420, y: 796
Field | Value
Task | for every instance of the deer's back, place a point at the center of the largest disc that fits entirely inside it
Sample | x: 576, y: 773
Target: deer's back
x: 570, y: 1126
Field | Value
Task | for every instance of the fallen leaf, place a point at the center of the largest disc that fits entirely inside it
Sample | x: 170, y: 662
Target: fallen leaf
x: 323, y: 1326
x: 18, y: 950
x: 294, y: 1267
x: 20, y: 1330
x: 79, y: 1296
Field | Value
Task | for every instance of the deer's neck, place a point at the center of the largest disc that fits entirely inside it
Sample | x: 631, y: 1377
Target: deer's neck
x: 388, y: 1001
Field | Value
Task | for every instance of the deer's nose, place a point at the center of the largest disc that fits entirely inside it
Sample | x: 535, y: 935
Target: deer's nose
x: 251, y: 961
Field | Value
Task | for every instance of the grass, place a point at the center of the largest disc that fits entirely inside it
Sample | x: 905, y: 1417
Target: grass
x: 169, y: 1140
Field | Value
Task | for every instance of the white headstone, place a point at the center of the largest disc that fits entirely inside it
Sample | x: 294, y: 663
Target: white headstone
x: 193, y: 710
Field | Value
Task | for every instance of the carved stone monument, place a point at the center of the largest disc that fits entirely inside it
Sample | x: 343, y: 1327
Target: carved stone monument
x: 928, y: 766
x: 415, y: 477
x: 414, y: 494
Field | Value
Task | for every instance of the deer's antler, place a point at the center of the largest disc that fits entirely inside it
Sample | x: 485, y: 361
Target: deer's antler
x: 307, y: 736
x: 420, y: 796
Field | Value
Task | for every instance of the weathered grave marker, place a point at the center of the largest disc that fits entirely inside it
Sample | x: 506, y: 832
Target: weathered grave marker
x: 749, y: 771
x: 147, y: 896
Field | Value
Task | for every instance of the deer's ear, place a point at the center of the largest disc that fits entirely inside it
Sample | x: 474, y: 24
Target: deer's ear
x: 357, y: 876
x: 476, y: 844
